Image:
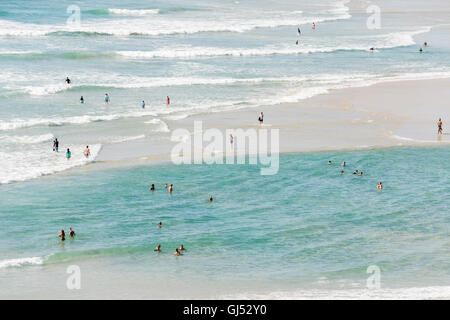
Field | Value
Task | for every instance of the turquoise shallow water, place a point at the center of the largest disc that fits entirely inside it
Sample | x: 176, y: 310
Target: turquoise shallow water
x: 306, y: 227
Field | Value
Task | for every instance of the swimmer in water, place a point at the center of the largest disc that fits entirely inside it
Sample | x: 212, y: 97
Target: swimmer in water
x: 355, y: 172
x: 329, y: 162
x: 420, y: 50
x: 159, y: 224
x: 425, y: 44
x: 56, y: 145
x: 143, y: 104
x: 379, y: 186
x: 158, y: 248
x: 296, y: 42
x: 87, y: 152
x: 167, y: 100
x: 152, y: 188
x: 211, y: 199
x: 67, y: 80
x: 372, y: 49
x: 165, y: 186
x: 177, y: 252
x: 439, y: 124
x: 181, y: 248
x: 81, y: 99
x: 361, y: 173
x: 343, y: 163
x: 106, y: 98
x: 62, y: 235
x: 71, y: 233
x: 170, y: 188
x: 342, y: 171
x: 68, y: 154
x: 261, y: 118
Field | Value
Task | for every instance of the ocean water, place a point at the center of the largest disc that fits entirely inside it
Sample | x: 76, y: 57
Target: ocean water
x: 308, y: 228
x: 306, y: 232
x: 207, y: 56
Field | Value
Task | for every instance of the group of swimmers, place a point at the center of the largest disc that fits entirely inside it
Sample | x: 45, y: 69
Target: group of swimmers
x: 299, y: 32
x: 107, y: 99
x: 86, y: 152
x: 357, y: 172
x: 177, y: 250
x: 62, y: 234
x: 170, y: 190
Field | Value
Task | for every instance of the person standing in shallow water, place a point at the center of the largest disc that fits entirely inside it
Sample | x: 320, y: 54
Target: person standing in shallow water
x: 68, y: 154
x: 62, y: 235
x: 167, y: 100
x: 261, y: 118
x: 439, y: 124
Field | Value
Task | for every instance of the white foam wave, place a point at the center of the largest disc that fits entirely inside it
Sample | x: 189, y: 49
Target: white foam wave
x: 37, y: 161
x: 9, y: 263
x: 128, y: 12
x: 436, y: 292
x: 27, y: 139
x: 124, y: 139
x: 162, y: 126
x: 158, y: 25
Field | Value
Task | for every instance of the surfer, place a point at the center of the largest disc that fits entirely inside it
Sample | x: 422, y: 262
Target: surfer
x: 71, y: 233
x: 106, y: 98
x: 81, y: 99
x: 143, y: 104
x: 62, y: 235
x: 87, y: 152
x: 67, y: 80
x: 261, y: 118
x: 152, y: 188
x: 158, y: 248
x: 439, y: 124
x: 68, y: 154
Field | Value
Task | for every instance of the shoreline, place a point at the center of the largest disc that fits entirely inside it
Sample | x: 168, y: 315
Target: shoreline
x: 382, y: 115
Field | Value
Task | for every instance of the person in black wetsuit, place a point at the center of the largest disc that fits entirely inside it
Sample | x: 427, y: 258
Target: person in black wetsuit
x: 67, y: 80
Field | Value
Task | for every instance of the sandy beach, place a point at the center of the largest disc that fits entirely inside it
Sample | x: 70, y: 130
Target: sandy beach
x: 396, y: 113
